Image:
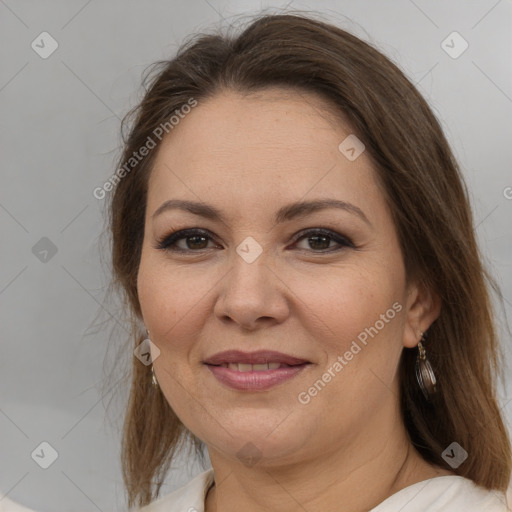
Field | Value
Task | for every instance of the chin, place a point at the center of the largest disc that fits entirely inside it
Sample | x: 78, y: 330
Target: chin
x: 262, y: 446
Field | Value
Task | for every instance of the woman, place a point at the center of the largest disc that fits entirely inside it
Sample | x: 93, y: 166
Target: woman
x: 292, y: 231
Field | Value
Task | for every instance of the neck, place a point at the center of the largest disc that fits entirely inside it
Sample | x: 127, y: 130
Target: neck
x: 355, y: 477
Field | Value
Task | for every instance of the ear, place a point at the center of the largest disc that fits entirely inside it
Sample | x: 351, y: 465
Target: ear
x: 423, y: 307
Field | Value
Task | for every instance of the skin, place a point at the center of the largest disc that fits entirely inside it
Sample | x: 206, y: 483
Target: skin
x: 249, y: 155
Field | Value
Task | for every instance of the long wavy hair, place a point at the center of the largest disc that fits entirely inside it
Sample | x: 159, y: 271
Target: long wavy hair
x: 430, y: 207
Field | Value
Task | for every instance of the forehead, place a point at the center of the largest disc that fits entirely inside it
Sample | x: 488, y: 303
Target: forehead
x: 265, y: 118
x: 246, y: 150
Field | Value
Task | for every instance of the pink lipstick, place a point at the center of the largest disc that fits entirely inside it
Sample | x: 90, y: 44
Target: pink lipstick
x: 254, y: 371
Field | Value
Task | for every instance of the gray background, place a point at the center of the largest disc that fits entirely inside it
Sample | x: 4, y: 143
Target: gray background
x: 59, y: 138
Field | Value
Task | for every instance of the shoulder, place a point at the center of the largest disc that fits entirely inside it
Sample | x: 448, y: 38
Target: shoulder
x: 189, y: 498
x: 446, y: 494
x: 6, y: 505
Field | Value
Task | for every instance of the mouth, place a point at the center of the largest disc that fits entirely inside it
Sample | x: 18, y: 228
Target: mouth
x: 256, y: 371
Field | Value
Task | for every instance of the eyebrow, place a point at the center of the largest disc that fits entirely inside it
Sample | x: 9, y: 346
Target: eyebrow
x: 286, y: 213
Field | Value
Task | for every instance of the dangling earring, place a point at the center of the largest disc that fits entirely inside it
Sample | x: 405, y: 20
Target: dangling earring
x: 153, y: 378
x: 424, y: 372
x: 154, y: 382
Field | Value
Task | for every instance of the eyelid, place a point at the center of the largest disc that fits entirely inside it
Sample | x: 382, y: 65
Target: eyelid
x: 175, y: 235
x: 334, y: 235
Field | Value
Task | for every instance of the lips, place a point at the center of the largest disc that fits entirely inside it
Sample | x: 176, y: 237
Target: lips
x: 254, y: 371
x: 245, y: 360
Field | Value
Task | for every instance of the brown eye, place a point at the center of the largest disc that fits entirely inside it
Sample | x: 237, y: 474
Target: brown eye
x: 319, y: 240
x: 195, y: 240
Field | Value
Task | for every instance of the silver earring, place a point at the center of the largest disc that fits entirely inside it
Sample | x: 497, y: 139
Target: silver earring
x: 424, y: 372
x: 154, y: 382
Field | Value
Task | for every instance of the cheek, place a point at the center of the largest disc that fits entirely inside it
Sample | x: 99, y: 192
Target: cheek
x: 343, y: 302
x: 173, y: 301
x: 157, y: 296
x: 151, y: 293
x: 171, y: 308
x: 354, y: 314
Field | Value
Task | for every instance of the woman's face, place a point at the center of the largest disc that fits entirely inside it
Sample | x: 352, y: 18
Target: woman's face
x: 336, y: 299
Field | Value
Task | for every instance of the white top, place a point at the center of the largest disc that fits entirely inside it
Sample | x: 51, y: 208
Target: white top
x: 439, y: 494
x: 6, y: 505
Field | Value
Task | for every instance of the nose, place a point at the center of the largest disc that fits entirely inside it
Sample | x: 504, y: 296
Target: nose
x: 253, y: 294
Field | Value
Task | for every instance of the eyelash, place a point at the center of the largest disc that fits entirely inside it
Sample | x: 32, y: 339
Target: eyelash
x: 167, y: 243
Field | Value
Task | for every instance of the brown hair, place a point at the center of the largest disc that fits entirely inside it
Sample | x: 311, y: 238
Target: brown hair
x: 430, y: 207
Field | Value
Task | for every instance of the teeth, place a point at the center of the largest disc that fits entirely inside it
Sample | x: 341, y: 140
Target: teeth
x: 244, y: 367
